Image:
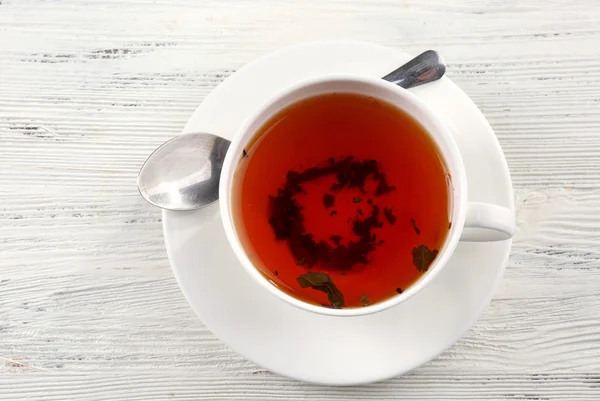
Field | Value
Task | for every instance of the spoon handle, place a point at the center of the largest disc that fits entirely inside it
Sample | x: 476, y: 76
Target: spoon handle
x: 426, y: 67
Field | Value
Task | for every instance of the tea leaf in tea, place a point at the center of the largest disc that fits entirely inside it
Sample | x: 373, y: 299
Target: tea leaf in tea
x: 423, y: 257
x: 365, y: 300
x: 412, y: 221
x: 322, y: 282
x: 328, y: 200
x: 336, y: 239
x: 389, y: 216
x: 383, y: 187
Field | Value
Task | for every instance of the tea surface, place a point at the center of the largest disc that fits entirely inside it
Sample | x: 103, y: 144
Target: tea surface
x: 341, y: 200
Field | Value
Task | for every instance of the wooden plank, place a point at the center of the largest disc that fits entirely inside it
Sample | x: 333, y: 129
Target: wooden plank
x: 264, y: 386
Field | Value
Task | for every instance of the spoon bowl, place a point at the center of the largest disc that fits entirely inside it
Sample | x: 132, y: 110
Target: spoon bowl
x: 184, y: 173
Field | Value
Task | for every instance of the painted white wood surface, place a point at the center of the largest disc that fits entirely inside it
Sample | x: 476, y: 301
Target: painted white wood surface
x: 89, y: 308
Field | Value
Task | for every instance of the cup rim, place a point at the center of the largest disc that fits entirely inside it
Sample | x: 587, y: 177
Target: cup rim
x: 458, y: 182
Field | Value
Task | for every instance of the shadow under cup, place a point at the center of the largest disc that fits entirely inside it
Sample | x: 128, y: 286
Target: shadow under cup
x: 320, y: 124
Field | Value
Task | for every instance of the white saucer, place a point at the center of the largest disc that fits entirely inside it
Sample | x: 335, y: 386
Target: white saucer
x: 321, y: 349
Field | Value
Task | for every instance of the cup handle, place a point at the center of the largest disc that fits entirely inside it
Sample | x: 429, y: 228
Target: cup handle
x: 486, y: 222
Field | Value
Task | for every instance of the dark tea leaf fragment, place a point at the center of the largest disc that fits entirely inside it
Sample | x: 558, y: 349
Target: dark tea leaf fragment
x: 314, y: 173
x: 332, y: 213
x: 389, y: 216
x: 284, y: 213
x: 383, y: 187
x: 365, y: 300
x: 245, y: 153
x: 358, y: 199
x: 412, y: 221
x: 423, y: 257
x: 300, y: 262
x: 328, y: 200
x: 276, y: 273
x: 399, y: 290
x: 449, y: 225
x: 336, y: 239
x: 322, y: 282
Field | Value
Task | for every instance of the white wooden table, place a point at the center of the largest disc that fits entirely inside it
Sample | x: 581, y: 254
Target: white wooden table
x: 89, y: 308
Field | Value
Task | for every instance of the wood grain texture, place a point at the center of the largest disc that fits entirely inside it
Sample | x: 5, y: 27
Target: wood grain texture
x: 89, y: 308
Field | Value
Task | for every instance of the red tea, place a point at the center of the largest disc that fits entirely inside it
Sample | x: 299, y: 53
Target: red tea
x: 341, y: 200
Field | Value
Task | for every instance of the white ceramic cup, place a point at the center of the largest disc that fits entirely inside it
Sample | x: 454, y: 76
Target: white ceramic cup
x: 471, y: 221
